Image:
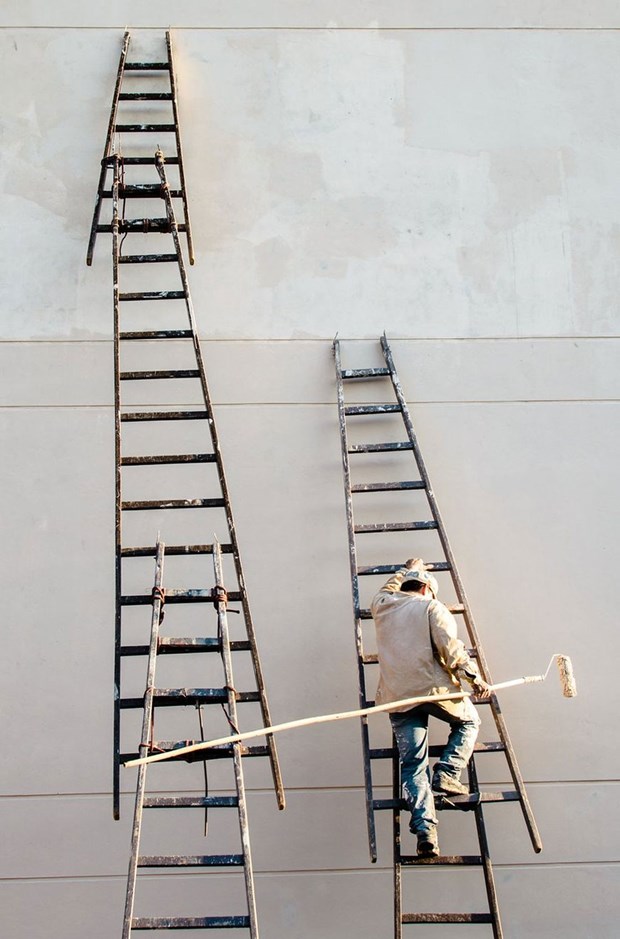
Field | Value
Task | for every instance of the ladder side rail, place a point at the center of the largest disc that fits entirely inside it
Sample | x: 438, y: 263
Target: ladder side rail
x: 460, y: 591
x: 118, y: 567
x: 108, y: 148
x: 396, y: 843
x: 177, y: 133
x: 224, y: 636
x: 346, y: 468
x: 144, y: 742
x: 273, y: 755
x: 487, y: 867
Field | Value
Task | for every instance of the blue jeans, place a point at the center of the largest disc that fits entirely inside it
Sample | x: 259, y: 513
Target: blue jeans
x: 411, y: 733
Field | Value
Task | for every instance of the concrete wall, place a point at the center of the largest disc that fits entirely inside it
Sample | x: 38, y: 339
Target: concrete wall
x: 448, y: 175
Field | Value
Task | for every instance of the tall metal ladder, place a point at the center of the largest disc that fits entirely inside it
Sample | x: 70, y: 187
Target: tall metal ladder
x: 126, y: 119
x: 175, y: 802
x: 387, y: 379
x: 154, y: 454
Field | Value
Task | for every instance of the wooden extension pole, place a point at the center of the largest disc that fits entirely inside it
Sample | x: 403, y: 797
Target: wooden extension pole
x: 322, y: 719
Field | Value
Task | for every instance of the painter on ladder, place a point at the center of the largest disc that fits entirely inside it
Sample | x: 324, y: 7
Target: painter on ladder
x: 420, y: 653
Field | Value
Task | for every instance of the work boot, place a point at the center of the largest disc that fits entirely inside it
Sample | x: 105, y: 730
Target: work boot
x: 428, y: 845
x: 444, y: 782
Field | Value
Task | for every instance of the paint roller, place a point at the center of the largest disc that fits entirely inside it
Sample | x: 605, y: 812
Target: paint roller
x: 563, y: 662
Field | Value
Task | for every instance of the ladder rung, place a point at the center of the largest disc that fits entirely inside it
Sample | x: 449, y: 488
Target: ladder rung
x: 493, y: 746
x: 364, y: 372
x: 191, y: 802
x: 355, y: 409
x: 456, y: 860
x: 141, y: 191
x: 380, y: 447
x: 145, y: 96
x: 148, y: 551
x: 166, y: 373
x: 454, y: 608
x: 175, y: 697
x: 392, y: 568
x: 177, y: 596
x: 446, y: 918
x: 145, y: 128
x: 150, y: 504
x: 210, y: 753
x: 193, y: 645
x: 142, y: 226
x: 457, y: 802
x: 191, y: 860
x: 389, y: 487
x: 158, y: 334
x: 165, y: 458
x: 147, y: 161
x: 146, y: 66
x: 190, y: 922
x: 147, y: 258
x: 153, y: 295
x: 394, y: 526
x: 164, y: 416
x: 206, y: 644
x: 371, y: 658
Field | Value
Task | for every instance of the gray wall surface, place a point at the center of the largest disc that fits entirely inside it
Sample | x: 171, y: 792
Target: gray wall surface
x: 446, y: 173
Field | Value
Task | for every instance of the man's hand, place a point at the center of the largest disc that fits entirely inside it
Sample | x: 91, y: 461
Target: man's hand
x: 414, y: 564
x: 481, y: 689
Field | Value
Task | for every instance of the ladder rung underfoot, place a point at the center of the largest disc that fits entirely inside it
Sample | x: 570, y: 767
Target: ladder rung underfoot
x: 410, y: 918
x: 153, y: 295
x: 364, y: 372
x: 394, y: 526
x: 191, y: 802
x: 176, y: 697
x: 152, y: 504
x: 191, y: 860
x: 157, y: 334
x: 165, y: 373
x: 178, y: 646
x: 148, y: 551
x: 381, y: 447
x: 177, y: 596
x: 451, y: 802
x: 353, y: 410
x: 190, y: 922
x: 389, y: 487
x: 385, y: 753
x: 147, y: 258
x: 164, y: 416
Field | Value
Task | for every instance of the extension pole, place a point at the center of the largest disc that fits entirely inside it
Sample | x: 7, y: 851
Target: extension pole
x: 323, y: 719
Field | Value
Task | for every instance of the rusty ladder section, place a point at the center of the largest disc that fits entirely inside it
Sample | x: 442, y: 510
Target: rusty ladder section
x: 367, y: 661
x: 141, y: 465
x: 170, y: 863
x: 127, y: 123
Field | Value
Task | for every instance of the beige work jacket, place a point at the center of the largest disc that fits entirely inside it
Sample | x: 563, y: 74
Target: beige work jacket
x: 418, y: 648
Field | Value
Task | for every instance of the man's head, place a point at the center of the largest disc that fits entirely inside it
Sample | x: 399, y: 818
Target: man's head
x: 416, y: 581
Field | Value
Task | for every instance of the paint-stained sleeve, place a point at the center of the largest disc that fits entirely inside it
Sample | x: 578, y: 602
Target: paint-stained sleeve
x: 390, y: 586
x: 449, y: 649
